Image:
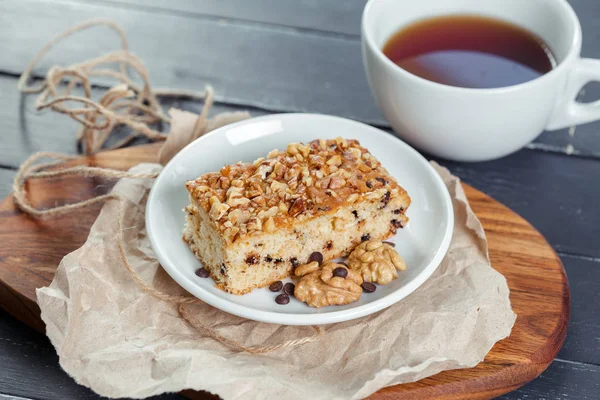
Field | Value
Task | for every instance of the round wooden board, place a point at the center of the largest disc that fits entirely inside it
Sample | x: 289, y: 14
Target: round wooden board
x: 30, y: 251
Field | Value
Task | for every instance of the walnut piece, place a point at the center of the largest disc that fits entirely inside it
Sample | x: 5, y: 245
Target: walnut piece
x: 306, y: 268
x: 376, y: 262
x: 320, y: 288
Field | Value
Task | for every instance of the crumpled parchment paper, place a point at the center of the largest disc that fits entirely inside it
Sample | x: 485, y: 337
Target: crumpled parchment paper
x: 121, y: 342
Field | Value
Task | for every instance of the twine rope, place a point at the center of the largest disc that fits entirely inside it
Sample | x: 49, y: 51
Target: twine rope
x: 124, y: 104
x: 127, y: 103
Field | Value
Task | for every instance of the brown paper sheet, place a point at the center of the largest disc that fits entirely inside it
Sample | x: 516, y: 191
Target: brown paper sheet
x: 121, y: 342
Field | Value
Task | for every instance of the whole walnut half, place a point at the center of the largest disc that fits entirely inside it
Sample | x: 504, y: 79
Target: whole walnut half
x: 322, y: 288
x: 376, y: 262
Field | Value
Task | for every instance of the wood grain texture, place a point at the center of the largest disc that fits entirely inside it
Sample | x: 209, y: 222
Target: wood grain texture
x: 328, y: 16
x: 343, y: 17
x: 539, y: 288
x: 583, y: 335
x: 557, y: 194
x: 563, y: 380
x: 6, y: 178
x: 25, y: 131
x: 30, y: 367
x: 567, y: 184
x: 248, y: 64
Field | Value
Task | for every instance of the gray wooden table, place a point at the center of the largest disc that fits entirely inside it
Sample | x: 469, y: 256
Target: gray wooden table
x: 296, y: 55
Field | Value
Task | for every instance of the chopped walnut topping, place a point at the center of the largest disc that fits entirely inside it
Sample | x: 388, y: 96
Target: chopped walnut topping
x: 238, y: 216
x: 292, y: 185
x: 362, y: 167
x: 254, y: 224
x: 283, y: 207
x: 270, y: 225
x: 356, y: 153
x: 336, y: 183
x: 217, y: 209
x: 335, y: 160
x: 352, y: 198
x: 298, y: 207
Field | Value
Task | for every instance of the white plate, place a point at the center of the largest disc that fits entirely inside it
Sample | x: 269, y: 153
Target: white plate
x: 423, y: 243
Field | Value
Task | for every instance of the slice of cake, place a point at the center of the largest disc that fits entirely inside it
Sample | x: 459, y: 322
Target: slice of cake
x: 252, y: 224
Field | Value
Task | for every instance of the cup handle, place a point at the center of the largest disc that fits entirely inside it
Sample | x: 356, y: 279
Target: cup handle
x: 569, y: 112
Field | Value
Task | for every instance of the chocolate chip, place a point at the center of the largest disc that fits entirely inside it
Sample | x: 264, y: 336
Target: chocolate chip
x: 276, y: 286
x: 390, y: 243
x: 252, y: 259
x: 328, y: 245
x: 282, y: 299
x: 369, y: 184
x: 268, y: 258
x: 368, y: 287
x: 380, y: 179
x: 316, y: 256
x: 355, y: 213
x: 398, y: 211
x: 341, y: 272
x: 385, y: 199
x: 365, y: 237
x: 278, y: 260
x: 397, y: 224
x: 202, y: 273
x: 223, y: 271
x: 288, y: 288
x: 294, y: 262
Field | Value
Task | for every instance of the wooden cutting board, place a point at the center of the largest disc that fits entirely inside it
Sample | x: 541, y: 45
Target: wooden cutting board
x: 30, y: 251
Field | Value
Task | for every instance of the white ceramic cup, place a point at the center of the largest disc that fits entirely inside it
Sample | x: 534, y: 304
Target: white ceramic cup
x: 479, y: 124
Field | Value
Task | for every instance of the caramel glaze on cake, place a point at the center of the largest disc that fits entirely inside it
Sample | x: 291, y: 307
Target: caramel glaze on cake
x: 251, y: 224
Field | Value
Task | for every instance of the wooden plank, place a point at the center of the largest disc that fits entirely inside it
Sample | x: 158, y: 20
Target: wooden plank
x: 519, y: 180
x: 563, y: 380
x: 328, y: 16
x: 30, y: 367
x: 583, y: 335
x: 335, y: 16
x: 555, y: 193
x: 250, y: 64
x: 9, y: 397
x: 6, y: 177
x: 247, y: 64
x: 31, y: 371
x: 25, y: 131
